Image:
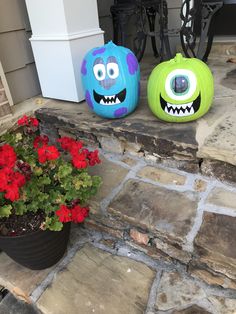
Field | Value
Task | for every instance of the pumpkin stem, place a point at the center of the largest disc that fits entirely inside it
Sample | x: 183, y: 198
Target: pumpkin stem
x: 178, y: 58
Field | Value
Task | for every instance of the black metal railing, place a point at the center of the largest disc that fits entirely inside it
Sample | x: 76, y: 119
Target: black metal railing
x: 135, y: 20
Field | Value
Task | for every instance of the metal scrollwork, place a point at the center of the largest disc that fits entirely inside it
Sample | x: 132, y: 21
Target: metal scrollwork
x: 191, y: 11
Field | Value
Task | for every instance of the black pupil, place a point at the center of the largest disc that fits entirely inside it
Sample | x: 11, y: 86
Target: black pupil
x: 111, y: 71
x: 99, y: 73
x: 180, y: 84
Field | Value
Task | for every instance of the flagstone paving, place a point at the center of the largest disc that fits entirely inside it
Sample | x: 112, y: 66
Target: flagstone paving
x: 99, y: 282
x: 101, y: 274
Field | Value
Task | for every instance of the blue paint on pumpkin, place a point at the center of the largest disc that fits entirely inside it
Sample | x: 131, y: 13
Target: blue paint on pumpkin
x: 112, y: 80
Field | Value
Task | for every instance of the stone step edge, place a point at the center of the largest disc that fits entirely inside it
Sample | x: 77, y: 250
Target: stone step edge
x: 157, y: 247
x: 186, y: 161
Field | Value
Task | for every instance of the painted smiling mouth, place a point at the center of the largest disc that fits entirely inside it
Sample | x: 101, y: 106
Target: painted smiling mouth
x: 111, y: 99
x: 182, y: 110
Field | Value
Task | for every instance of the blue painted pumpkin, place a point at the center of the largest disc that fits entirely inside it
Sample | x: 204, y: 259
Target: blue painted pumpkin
x: 111, y: 80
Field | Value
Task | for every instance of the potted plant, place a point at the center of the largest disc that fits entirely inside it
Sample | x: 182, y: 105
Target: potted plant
x: 42, y: 190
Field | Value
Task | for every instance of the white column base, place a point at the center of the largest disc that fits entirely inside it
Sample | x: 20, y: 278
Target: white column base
x: 58, y: 61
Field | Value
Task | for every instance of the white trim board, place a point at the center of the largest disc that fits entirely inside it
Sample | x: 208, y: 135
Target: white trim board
x: 5, y: 85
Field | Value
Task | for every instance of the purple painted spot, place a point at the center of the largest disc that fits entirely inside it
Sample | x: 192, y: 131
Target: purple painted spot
x: 83, y: 67
x: 132, y: 63
x: 88, y: 99
x: 120, y: 112
x: 98, y: 51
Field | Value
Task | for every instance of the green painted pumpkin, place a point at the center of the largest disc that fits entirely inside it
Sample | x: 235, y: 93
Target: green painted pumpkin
x: 180, y: 90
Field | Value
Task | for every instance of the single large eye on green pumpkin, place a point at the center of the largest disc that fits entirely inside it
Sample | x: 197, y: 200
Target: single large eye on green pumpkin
x: 181, y: 84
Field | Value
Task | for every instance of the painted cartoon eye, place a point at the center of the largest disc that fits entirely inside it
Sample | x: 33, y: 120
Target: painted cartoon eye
x: 99, y: 71
x: 181, y: 84
x: 112, y: 70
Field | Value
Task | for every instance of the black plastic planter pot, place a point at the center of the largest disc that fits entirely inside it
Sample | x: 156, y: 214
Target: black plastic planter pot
x: 38, y: 250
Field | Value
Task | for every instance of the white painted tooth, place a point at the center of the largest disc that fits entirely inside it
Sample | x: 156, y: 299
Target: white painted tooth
x: 169, y: 105
x: 166, y: 110
x: 184, y: 106
x: 171, y: 112
x: 182, y: 114
x: 117, y: 101
x: 191, y: 111
x: 189, y: 105
x: 102, y: 102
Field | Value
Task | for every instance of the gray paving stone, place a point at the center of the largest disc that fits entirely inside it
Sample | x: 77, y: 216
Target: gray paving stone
x: 162, y: 175
x: 111, y: 174
x: 215, y: 244
x: 11, y: 305
x: 219, y: 131
x: 194, y: 309
x: 18, y: 279
x: 222, y: 197
x: 176, y: 291
x: 98, y: 282
x: 160, y: 210
x: 223, y: 305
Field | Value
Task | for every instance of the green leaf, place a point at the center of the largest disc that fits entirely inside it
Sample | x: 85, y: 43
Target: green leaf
x: 53, y: 224
x: 20, y: 207
x: 33, y: 207
x: 64, y: 171
x: 2, y: 199
x: 67, y: 184
x: 44, y: 180
x: 5, y: 211
x: 38, y: 171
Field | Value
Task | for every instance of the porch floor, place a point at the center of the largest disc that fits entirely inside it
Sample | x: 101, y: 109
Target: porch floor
x: 103, y: 275
x: 161, y: 235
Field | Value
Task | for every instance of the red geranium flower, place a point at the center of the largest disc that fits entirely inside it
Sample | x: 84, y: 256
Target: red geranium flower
x: 70, y: 144
x: 64, y: 214
x: 79, y: 161
x: 93, y: 158
x: 10, y: 183
x: 28, y: 121
x: 23, y: 121
x: 34, y: 122
x: 7, y: 156
x: 4, y: 179
x: 18, y: 179
x: 47, y: 153
x: 78, y: 214
x: 40, y: 141
x: 25, y: 168
x: 75, y: 148
x: 12, y: 193
x: 66, y: 142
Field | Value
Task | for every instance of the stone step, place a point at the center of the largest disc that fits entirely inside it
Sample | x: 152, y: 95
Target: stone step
x: 204, y: 146
x: 169, y: 213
